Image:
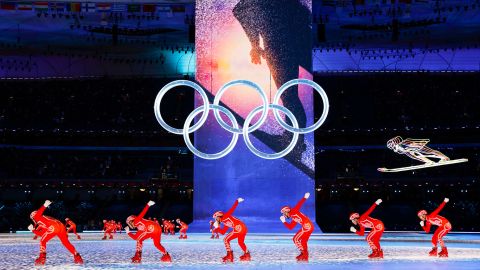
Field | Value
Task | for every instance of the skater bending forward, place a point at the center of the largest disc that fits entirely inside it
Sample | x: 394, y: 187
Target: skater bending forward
x: 146, y: 229
x: 47, y: 228
x: 239, y: 231
x: 443, y: 224
x: 376, y: 226
x: 301, y: 237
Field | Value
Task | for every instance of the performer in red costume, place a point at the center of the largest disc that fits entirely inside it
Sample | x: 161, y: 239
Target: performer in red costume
x: 301, y: 237
x: 373, y: 238
x: 213, y: 230
x: 183, y: 229
x: 239, y: 231
x: 118, y: 227
x: 108, y: 229
x: 146, y: 229
x: 165, y: 226
x: 443, y: 224
x: 171, y: 227
x: 71, y: 227
x: 47, y: 228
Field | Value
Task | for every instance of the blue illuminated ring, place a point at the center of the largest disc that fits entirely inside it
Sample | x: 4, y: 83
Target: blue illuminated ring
x: 259, y: 153
x: 220, y: 154
x: 250, y: 84
x: 319, y: 90
x: 205, y: 107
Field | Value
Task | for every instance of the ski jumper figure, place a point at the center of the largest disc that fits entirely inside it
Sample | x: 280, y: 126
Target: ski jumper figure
x: 416, y: 149
x: 444, y: 226
x: 376, y: 226
x: 239, y: 231
x: 301, y: 237
x: 146, y: 229
x: 47, y: 228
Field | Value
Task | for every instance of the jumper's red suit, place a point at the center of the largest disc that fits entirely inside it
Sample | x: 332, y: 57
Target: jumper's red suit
x: 72, y: 227
x: 444, y: 227
x: 47, y: 228
x: 377, y: 228
x: 239, y: 231
x: 146, y: 229
x: 301, y: 237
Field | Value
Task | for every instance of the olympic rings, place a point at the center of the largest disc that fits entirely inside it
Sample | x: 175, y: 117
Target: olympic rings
x: 234, y: 128
x: 195, y: 150
x: 165, y: 89
x: 319, y: 90
x: 257, y: 88
x: 280, y: 154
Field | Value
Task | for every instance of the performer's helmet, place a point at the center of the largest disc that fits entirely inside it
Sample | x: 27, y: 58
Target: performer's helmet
x: 33, y: 214
x: 422, y: 212
x: 285, y: 209
x: 218, y: 214
x: 130, y: 219
x: 394, y: 141
x: 354, y: 216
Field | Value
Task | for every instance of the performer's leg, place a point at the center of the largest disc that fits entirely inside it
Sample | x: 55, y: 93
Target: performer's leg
x: 157, y: 242
x: 429, y: 152
x: 370, y: 239
x: 241, y: 242
x: 297, y: 240
x: 444, y: 230
x: 435, y: 236
x: 66, y: 243
x: 232, y: 235
x: 304, y: 239
x: 47, y: 236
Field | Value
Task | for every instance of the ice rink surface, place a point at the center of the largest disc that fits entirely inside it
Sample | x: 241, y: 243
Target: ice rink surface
x: 269, y: 251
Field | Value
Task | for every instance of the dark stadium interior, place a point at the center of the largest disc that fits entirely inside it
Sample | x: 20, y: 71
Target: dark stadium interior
x: 77, y: 123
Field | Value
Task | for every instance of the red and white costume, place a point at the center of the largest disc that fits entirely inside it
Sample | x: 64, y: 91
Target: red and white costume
x: 213, y: 230
x: 239, y: 229
x: 443, y: 224
x: 147, y: 229
x: 376, y: 226
x: 47, y: 228
x: 108, y: 229
x: 72, y: 227
x: 183, y: 229
x: 301, y: 237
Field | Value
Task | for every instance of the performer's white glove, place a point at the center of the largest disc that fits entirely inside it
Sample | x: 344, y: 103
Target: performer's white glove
x: 446, y: 200
x: 47, y: 203
x: 216, y: 225
x: 211, y: 230
x: 379, y: 201
x: 282, y: 218
x: 422, y: 223
x: 127, y: 229
x: 307, y: 195
x: 30, y: 227
x: 352, y: 229
x: 150, y: 203
x: 240, y: 200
